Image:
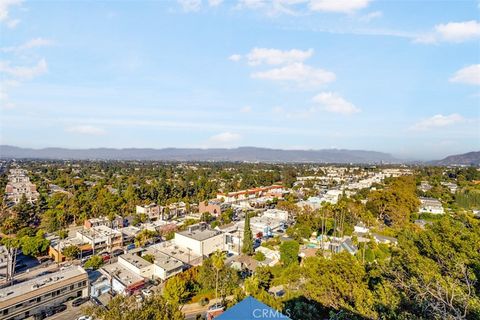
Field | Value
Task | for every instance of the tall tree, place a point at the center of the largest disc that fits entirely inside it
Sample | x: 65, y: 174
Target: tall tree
x: 218, y: 262
x: 247, y: 236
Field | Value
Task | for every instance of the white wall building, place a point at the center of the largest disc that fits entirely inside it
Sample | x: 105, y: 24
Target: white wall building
x: 200, y: 241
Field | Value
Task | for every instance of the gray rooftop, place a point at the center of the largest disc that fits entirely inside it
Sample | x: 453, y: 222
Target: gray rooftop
x: 200, y: 235
x: 135, y: 260
x: 40, y: 282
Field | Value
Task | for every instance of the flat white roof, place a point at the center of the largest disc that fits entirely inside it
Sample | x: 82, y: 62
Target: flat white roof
x: 40, y: 282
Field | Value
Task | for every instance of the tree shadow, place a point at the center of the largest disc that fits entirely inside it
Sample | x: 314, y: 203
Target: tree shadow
x: 302, y: 308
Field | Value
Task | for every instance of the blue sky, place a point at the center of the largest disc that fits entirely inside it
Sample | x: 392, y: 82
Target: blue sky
x: 396, y: 76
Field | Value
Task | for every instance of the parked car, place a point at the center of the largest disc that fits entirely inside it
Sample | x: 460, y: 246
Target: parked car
x: 96, y: 301
x: 79, y: 301
x: 117, y: 252
x: 105, y: 257
x: 84, y: 318
x: 216, y: 306
x: 138, y: 298
x: 54, y: 310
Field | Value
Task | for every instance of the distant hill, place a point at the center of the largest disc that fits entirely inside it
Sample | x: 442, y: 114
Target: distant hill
x: 246, y: 154
x: 466, y: 159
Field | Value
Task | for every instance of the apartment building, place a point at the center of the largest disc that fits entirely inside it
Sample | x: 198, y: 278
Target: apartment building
x: 431, y: 205
x: 31, y: 297
x: 19, y: 185
x: 101, y: 238
x: 275, y: 191
x: 152, y: 210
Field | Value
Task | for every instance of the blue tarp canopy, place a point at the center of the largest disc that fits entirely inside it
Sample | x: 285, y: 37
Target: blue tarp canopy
x: 251, y: 309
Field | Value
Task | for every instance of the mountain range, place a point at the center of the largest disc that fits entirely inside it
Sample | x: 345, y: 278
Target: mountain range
x: 243, y: 154
x: 465, y: 159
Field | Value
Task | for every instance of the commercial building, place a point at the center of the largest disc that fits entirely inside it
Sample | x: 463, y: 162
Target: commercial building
x: 276, y: 191
x: 122, y: 279
x: 101, y: 238
x: 199, y: 240
x: 164, y: 266
x: 31, y: 297
x: 214, y: 206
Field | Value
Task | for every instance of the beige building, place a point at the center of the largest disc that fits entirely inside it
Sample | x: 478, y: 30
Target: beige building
x: 31, y: 297
x: 101, y: 238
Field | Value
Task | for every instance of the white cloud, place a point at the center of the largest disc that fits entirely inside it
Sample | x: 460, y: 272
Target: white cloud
x: 5, y: 86
x: 12, y: 23
x: 24, y: 72
x: 5, y: 6
x: 468, y: 75
x: 332, y: 102
x: 33, y: 43
x: 459, y: 31
x: 452, y: 32
x: 235, y: 57
x: 252, y: 4
x: 341, y: 6
x: 437, y: 121
x: 190, y: 5
x: 86, y: 129
x: 246, y: 109
x: 214, y: 3
x: 371, y: 15
x: 258, y: 56
x: 299, y: 73
x: 225, y: 137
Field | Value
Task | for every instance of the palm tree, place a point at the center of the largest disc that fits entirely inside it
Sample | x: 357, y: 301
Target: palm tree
x: 12, y: 245
x: 218, y: 262
x: 62, y: 234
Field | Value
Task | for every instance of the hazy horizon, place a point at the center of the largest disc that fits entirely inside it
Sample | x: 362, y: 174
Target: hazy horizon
x: 307, y: 74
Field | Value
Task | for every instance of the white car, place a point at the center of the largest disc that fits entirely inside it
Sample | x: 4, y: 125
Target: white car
x: 84, y: 318
x: 147, y: 292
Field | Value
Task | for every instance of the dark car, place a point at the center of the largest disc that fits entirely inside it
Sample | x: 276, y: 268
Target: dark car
x: 79, y: 301
x: 117, y: 252
x: 54, y: 310
x: 20, y: 265
x: 96, y: 301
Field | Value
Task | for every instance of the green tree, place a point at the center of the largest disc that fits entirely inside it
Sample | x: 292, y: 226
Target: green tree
x: 126, y: 308
x: 289, y: 252
x: 259, y: 256
x: 34, y: 246
x: 149, y: 257
x: 94, y: 262
x: 247, y: 247
x: 71, y: 252
x: 176, y: 291
x: 218, y: 263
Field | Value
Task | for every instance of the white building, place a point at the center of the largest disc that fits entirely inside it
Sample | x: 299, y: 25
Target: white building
x: 31, y: 297
x: 431, y: 205
x: 200, y: 241
x: 101, y: 238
